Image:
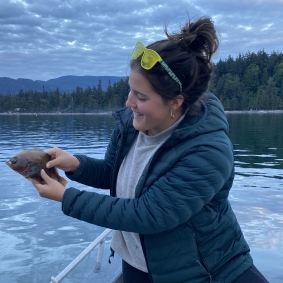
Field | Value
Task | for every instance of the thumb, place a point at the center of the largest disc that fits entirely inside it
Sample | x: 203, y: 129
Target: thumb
x: 50, y: 151
x: 49, y: 164
x: 52, y: 163
x: 45, y: 177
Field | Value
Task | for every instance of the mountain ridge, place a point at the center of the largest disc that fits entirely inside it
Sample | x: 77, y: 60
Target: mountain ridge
x: 66, y: 83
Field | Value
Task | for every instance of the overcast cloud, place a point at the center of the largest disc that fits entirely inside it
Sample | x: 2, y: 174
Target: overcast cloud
x: 45, y: 39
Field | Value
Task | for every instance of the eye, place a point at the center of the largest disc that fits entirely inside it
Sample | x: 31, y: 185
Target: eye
x: 140, y: 97
x: 14, y: 160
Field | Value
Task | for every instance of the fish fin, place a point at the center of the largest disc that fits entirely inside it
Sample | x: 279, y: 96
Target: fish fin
x: 34, y: 170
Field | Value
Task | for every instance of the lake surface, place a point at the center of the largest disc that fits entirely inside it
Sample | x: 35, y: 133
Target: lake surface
x: 37, y: 241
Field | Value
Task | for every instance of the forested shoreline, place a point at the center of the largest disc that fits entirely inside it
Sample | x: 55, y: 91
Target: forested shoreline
x: 89, y: 100
x: 250, y: 81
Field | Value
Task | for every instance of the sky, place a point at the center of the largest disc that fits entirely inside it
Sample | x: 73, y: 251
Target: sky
x: 46, y: 39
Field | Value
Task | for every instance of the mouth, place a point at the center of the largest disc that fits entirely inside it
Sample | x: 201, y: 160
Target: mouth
x: 137, y: 115
x: 9, y: 163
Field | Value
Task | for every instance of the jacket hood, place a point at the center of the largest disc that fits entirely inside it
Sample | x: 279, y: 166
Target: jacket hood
x: 212, y: 118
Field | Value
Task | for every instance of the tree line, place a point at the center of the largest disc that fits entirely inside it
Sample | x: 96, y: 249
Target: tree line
x: 250, y: 81
x: 92, y: 99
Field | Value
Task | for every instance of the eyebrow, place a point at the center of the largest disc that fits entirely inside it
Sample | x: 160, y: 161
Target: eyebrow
x: 140, y: 93
x: 137, y: 91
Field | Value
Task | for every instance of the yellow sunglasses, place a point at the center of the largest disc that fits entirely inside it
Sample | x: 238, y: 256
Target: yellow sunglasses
x: 150, y: 58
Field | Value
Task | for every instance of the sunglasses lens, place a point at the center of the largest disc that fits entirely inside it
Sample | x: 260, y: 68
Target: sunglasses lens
x: 149, y: 59
x: 138, y: 50
x: 149, y: 56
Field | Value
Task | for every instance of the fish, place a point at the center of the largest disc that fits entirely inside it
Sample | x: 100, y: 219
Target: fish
x: 29, y: 163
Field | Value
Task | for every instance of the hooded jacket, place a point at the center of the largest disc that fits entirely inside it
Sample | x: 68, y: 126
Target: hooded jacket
x: 181, y: 211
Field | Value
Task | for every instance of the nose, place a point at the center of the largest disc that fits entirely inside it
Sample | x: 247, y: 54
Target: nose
x: 131, y: 100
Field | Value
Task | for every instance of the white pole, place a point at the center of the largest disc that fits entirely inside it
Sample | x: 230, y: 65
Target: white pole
x: 81, y: 256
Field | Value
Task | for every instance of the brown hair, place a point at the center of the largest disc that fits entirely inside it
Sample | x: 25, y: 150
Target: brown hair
x: 188, y: 54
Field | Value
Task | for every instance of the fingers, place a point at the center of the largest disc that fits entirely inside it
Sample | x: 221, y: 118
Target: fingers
x: 41, y: 188
x: 52, y: 163
x: 62, y: 160
x: 59, y: 162
x: 54, y: 153
x: 52, y: 189
x: 50, y: 151
x: 45, y: 177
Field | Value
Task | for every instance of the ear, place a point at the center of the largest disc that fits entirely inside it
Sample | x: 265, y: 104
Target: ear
x: 176, y: 102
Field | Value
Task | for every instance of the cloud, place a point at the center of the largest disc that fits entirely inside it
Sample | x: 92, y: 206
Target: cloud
x: 47, y: 39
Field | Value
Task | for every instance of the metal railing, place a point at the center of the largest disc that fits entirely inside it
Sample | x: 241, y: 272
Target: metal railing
x: 99, y: 241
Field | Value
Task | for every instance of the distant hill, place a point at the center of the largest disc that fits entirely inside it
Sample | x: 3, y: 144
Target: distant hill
x: 65, y: 83
x: 8, y: 85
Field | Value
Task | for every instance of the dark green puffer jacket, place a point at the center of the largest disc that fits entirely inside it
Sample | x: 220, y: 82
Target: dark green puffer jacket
x: 188, y: 230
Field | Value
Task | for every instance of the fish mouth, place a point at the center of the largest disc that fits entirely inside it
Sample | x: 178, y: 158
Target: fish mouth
x: 9, y: 163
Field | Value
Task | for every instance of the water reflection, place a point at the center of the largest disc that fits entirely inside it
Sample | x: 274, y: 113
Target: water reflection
x: 257, y: 139
x: 257, y: 194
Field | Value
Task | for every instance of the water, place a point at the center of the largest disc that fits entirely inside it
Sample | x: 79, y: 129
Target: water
x: 37, y: 241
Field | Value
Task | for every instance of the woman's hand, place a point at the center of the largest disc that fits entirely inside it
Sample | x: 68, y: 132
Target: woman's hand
x: 51, y: 190
x: 62, y: 160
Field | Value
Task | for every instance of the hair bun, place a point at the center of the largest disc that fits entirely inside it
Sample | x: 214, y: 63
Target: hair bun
x: 198, y: 37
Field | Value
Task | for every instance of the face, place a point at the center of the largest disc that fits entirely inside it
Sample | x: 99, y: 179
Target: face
x: 152, y: 114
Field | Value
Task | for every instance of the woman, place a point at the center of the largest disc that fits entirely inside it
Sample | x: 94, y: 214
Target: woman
x: 169, y: 168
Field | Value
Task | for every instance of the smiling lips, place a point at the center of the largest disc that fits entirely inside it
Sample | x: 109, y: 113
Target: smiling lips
x: 137, y: 115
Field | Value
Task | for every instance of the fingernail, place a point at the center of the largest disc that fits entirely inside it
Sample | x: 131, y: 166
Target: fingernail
x: 47, y: 165
x: 42, y: 171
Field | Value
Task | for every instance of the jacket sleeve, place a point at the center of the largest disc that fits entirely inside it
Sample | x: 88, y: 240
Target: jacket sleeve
x: 172, y: 199
x: 97, y: 172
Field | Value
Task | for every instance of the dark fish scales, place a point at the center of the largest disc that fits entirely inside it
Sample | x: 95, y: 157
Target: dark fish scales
x: 29, y: 163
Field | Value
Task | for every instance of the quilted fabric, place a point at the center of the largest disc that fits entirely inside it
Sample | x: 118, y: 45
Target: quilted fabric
x: 188, y: 230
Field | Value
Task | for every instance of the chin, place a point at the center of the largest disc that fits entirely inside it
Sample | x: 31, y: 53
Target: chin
x: 138, y: 127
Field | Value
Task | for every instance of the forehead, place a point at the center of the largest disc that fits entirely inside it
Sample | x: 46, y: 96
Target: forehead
x: 139, y: 83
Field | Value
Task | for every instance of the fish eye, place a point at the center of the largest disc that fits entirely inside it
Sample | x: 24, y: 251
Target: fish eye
x: 14, y: 160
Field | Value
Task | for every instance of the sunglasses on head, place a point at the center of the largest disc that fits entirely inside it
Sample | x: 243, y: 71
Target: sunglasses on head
x: 150, y: 58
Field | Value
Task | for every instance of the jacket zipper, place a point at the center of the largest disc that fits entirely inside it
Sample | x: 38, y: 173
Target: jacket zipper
x: 112, y: 189
x: 202, y: 261
x: 145, y: 256
x: 118, y: 152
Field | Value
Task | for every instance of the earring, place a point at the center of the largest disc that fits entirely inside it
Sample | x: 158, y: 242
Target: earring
x: 172, y: 115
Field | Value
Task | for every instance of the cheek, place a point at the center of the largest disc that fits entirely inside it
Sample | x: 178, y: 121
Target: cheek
x: 157, y: 111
